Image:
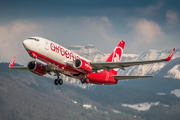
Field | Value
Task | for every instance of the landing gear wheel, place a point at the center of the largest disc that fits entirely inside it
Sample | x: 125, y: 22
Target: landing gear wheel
x: 82, y: 81
x: 56, y: 81
x: 60, y: 81
x: 86, y: 81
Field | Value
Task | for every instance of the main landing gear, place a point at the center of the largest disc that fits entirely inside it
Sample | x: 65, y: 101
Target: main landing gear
x: 58, y: 81
x: 84, y: 80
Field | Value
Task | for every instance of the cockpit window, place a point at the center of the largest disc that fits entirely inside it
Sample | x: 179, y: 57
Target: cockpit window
x: 33, y: 39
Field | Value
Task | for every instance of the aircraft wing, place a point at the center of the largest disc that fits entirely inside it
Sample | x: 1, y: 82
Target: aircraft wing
x: 11, y: 65
x: 122, y: 65
x: 49, y: 68
x: 20, y: 68
x: 129, y: 77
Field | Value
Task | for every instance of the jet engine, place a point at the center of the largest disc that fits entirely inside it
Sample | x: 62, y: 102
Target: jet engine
x: 37, y: 68
x: 82, y: 65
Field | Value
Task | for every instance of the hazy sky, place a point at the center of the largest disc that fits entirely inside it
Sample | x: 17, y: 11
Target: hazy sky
x: 142, y: 24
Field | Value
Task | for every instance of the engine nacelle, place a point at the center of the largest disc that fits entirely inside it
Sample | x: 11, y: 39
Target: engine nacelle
x: 82, y: 65
x: 37, y: 68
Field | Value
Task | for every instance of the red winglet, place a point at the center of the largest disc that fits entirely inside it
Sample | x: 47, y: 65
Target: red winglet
x: 12, y: 63
x: 170, y: 56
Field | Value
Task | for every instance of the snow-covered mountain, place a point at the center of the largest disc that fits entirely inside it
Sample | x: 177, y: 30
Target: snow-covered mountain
x: 169, y: 69
x: 89, y: 52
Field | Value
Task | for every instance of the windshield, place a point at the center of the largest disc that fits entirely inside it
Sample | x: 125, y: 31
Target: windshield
x: 33, y: 39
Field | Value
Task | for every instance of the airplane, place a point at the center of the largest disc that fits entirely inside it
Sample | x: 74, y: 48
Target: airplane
x: 60, y: 60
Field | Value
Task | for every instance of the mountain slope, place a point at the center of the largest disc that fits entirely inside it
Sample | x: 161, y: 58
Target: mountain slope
x: 153, y: 69
x: 24, y: 95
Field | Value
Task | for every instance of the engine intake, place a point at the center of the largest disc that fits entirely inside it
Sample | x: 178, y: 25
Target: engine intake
x: 37, y: 68
x: 82, y: 65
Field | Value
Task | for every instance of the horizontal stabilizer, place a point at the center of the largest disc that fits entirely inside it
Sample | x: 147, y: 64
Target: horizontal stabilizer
x: 129, y: 77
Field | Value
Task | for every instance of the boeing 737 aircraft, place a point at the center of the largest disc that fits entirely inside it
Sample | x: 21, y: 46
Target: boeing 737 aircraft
x: 63, y: 61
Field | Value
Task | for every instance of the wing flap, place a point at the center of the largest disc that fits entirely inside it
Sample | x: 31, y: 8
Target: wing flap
x: 129, y: 77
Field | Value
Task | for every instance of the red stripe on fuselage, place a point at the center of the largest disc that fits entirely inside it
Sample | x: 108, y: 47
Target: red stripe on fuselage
x: 48, y: 60
x: 103, y: 77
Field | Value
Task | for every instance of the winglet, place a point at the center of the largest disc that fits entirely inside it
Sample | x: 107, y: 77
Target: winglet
x: 12, y: 63
x: 170, y: 56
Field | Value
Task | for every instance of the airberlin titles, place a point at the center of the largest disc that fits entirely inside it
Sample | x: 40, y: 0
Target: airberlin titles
x: 63, y: 52
x: 85, y: 66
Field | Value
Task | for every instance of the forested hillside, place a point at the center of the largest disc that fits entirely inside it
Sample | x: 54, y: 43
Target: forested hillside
x: 24, y: 95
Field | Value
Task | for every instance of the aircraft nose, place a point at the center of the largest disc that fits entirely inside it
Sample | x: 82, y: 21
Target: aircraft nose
x: 25, y: 43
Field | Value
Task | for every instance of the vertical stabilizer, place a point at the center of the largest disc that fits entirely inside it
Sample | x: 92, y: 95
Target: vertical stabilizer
x: 116, y: 55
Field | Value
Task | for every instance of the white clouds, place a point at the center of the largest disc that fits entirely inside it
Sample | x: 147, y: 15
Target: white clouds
x: 99, y: 31
x: 103, y: 27
x: 172, y: 17
x: 146, y: 34
x: 11, y: 37
x: 65, y: 31
x: 105, y: 19
x: 147, y: 31
x: 81, y: 31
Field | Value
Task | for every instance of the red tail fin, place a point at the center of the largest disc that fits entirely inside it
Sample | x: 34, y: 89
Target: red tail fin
x: 116, y: 55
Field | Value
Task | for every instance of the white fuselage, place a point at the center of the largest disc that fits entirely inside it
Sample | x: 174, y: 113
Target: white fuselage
x: 52, y: 54
x: 51, y: 50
